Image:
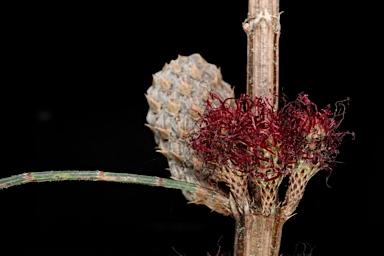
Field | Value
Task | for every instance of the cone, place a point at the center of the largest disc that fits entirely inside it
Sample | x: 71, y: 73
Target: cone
x: 177, y: 96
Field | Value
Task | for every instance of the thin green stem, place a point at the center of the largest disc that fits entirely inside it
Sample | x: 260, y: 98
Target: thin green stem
x: 200, y: 195
x: 95, y: 176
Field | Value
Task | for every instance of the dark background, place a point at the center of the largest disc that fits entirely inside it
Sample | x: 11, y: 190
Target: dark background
x: 75, y: 101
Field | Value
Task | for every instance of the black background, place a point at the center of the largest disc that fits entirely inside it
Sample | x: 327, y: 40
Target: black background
x: 75, y: 100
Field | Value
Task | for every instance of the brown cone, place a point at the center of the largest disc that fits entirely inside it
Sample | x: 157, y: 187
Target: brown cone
x: 177, y: 94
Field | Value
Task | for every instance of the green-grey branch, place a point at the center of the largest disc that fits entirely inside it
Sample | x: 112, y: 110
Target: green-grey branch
x: 201, y: 195
x: 95, y: 176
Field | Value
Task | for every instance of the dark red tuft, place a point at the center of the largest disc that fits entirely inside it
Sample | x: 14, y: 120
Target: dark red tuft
x: 254, y: 139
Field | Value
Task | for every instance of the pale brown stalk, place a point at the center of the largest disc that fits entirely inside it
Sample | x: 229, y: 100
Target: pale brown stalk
x: 258, y: 233
x: 262, y: 27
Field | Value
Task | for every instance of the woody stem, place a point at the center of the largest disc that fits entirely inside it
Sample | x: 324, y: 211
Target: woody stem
x: 263, y: 31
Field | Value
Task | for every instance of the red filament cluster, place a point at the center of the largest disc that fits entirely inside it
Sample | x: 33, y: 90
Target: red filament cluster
x: 253, y: 138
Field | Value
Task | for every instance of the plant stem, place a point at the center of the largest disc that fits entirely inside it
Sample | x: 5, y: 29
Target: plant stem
x: 263, y: 31
x: 201, y: 194
x: 95, y: 176
x: 258, y: 233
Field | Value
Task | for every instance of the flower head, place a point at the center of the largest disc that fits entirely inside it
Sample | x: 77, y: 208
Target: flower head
x: 311, y: 134
x: 251, y: 137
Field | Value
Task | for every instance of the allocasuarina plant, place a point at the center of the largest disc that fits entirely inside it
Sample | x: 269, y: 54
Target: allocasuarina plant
x: 210, y: 138
x: 249, y: 144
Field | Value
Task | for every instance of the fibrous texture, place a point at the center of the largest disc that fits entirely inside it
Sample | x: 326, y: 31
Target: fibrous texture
x: 250, y: 147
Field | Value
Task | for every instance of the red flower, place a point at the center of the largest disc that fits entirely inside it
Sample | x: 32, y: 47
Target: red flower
x: 247, y: 134
x: 312, y: 134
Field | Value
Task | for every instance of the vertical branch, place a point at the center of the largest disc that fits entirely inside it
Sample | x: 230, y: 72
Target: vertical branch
x: 262, y: 27
x: 259, y: 233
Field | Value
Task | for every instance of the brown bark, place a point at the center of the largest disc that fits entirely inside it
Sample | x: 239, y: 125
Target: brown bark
x: 258, y: 235
x: 263, y: 31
